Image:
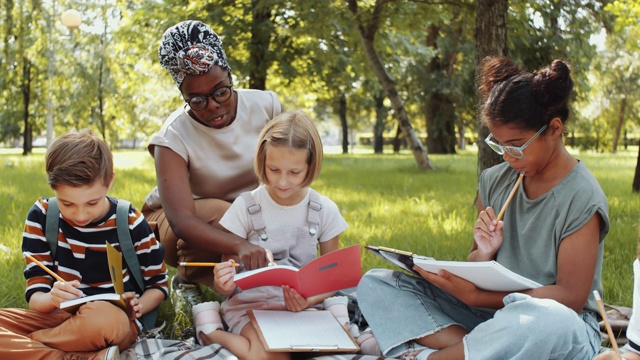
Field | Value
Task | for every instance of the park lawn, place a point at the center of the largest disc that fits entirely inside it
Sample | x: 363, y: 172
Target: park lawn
x: 385, y: 199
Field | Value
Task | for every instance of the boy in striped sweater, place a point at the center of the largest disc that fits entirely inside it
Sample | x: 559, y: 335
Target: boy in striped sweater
x: 79, y: 168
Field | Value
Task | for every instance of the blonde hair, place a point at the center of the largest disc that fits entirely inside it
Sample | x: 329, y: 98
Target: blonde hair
x: 78, y: 159
x: 293, y: 129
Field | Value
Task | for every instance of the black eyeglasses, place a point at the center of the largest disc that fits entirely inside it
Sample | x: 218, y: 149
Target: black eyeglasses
x: 219, y: 95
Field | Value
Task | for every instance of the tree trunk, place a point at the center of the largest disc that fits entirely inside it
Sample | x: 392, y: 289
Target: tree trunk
x: 491, y: 39
x: 397, y: 140
x: 439, y: 109
x: 103, y: 125
x: 440, y: 115
x: 462, y: 142
x: 261, y: 30
x: 27, y: 137
x: 636, y: 178
x: 367, y: 36
x: 378, y: 129
x: 342, y: 114
x: 101, y: 77
x: 616, y: 137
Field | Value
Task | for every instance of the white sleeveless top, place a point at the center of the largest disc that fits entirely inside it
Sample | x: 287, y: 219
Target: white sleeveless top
x: 220, y: 161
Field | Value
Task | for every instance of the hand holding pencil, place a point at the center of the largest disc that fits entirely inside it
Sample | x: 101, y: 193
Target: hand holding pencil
x: 62, y: 290
x: 486, y: 231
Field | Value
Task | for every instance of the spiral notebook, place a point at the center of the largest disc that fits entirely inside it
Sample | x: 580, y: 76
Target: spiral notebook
x: 486, y: 275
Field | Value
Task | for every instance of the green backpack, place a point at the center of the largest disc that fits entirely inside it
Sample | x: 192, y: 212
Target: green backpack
x: 126, y: 244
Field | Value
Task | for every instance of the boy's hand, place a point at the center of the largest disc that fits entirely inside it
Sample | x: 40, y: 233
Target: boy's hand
x: 64, y: 291
x: 223, y: 276
x: 135, y: 307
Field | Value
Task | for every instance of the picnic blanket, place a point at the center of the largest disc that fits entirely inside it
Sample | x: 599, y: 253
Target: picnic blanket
x: 156, y: 349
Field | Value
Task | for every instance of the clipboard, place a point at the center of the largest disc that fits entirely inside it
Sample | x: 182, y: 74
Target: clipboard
x: 303, y: 331
x: 400, y: 258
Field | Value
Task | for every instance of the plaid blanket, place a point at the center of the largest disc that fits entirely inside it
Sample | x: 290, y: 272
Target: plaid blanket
x: 156, y: 349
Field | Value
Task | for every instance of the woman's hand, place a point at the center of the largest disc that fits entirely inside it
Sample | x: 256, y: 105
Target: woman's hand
x: 462, y: 289
x: 293, y: 301
x: 252, y: 256
x: 223, y: 277
x: 488, y: 234
x: 135, y: 308
x: 64, y: 291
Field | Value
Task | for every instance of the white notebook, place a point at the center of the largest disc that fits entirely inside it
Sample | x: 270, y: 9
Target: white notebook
x: 487, y: 275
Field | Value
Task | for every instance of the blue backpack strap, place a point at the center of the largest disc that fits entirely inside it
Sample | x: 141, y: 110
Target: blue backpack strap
x: 126, y: 245
x: 255, y: 216
x: 51, y: 231
x: 313, y: 217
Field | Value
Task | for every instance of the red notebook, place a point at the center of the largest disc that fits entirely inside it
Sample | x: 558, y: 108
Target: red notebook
x: 334, y: 271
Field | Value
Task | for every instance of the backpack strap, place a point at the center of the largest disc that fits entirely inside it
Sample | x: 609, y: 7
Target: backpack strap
x: 255, y: 216
x: 124, y: 238
x: 313, y: 217
x: 148, y: 320
x: 126, y: 243
x: 51, y: 232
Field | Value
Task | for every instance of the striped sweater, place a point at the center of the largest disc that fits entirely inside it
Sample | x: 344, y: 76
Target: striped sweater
x: 81, y: 253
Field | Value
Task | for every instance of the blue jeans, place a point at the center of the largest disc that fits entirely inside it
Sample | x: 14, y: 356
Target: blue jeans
x: 400, y: 308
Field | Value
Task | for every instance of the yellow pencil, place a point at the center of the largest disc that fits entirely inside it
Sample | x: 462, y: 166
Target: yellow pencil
x: 56, y: 276
x: 603, y: 313
x: 513, y: 191
x: 184, y: 263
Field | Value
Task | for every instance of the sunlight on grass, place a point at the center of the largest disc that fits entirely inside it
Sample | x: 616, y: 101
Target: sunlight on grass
x: 385, y: 199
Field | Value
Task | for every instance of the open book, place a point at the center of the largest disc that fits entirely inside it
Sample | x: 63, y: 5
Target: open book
x: 336, y: 270
x: 305, y: 331
x: 486, y: 275
x: 115, y: 270
x: 73, y: 305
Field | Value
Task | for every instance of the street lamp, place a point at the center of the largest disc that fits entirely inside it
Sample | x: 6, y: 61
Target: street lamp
x: 72, y: 20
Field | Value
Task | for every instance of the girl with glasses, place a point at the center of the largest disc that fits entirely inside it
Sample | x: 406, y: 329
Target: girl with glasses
x: 552, y: 233
x: 201, y: 157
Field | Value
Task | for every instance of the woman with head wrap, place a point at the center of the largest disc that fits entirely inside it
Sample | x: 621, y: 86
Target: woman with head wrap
x: 204, y: 153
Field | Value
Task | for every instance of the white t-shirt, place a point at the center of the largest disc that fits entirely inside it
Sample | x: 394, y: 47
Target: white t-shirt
x: 276, y: 216
x: 220, y: 161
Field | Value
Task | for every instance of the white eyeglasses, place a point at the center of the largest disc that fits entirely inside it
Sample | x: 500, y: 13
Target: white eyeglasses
x: 513, y: 151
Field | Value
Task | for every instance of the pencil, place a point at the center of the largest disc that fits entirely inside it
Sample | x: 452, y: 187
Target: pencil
x: 513, y: 191
x: 184, y: 263
x: 603, y: 313
x: 56, y: 276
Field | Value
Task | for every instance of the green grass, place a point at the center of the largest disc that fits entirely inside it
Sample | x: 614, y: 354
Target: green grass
x: 385, y: 199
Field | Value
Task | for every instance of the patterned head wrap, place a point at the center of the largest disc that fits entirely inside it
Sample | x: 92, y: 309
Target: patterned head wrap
x: 191, y: 47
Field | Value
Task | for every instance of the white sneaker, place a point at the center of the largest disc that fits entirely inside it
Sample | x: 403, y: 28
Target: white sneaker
x: 206, y: 317
x: 368, y: 343
x: 184, y: 293
x: 337, y: 305
x: 113, y: 353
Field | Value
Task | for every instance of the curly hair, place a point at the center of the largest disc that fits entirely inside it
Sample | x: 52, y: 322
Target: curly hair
x: 530, y: 100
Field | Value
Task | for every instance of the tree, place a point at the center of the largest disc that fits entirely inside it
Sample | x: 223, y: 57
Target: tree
x: 367, y: 33
x: 491, y: 40
x: 627, y: 28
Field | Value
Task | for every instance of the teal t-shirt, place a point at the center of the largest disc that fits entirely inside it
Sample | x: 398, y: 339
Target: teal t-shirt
x: 534, y: 228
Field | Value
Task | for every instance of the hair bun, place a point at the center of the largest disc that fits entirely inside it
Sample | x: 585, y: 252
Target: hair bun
x: 495, y: 71
x: 552, y: 85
